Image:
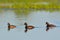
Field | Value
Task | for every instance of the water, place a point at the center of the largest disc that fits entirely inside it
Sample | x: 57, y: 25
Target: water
x: 35, y: 18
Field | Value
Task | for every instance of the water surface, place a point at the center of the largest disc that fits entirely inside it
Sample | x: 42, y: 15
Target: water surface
x: 36, y: 18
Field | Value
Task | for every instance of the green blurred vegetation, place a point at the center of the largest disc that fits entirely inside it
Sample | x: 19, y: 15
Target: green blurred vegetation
x: 27, y: 1
x: 30, y: 4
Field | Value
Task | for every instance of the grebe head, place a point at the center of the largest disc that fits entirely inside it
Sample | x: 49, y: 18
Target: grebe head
x: 25, y: 23
x: 47, y: 23
x: 8, y: 23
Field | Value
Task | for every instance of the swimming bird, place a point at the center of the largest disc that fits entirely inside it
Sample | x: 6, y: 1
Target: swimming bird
x: 11, y: 26
x: 48, y: 26
x: 28, y: 27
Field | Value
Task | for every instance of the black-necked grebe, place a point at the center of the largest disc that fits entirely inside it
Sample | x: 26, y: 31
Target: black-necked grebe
x: 11, y: 26
x: 28, y: 27
x: 48, y: 26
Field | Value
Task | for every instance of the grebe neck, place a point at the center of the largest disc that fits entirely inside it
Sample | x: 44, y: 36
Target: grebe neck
x: 26, y: 25
x: 8, y: 24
